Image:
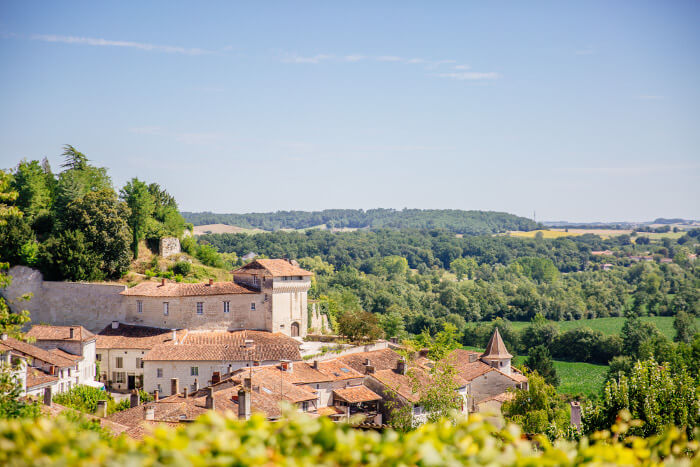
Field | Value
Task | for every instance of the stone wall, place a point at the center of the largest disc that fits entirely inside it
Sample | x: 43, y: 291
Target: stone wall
x: 168, y: 246
x: 65, y: 303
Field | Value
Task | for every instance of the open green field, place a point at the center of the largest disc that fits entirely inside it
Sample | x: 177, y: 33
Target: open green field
x: 611, y: 326
x: 576, y: 377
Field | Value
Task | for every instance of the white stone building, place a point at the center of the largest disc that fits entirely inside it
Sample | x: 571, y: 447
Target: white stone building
x: 121, y: 349
x: 200, y: 358
x: 266, y: 295
x: 72, y: 342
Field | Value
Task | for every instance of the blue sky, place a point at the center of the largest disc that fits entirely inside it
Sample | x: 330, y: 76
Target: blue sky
x: 579, y: 110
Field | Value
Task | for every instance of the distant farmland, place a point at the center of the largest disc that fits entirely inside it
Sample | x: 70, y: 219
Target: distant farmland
x: 603, y: 233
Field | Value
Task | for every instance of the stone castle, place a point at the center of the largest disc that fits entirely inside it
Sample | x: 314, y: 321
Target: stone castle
x: 266, y: 294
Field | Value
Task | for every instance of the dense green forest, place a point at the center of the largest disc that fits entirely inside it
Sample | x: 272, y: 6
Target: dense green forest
x: 426, y: 278
x: 464, y: 222
x: 74, y: 225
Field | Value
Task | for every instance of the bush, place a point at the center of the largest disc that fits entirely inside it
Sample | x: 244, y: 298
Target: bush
x: 84, y: 399
x: 300, y: 440
x: 182, y: 268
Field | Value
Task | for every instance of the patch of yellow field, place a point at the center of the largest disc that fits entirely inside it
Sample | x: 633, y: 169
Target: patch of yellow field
x: 545, y: 233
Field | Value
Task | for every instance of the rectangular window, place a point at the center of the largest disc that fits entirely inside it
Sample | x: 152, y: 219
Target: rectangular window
x: 200, y: 308
x: 69, y: 372
x: 252, y: 306
x: 120, y: 362
x: 139, y: 362
x: 194, y: 371
x: 159, y: 373
x: 139, y: 306
x: 166, y: 308
x: 98, y: 357
x: 119, y: 377
x: 227, y: 307
x: 160, y: 389
x: 305, y: 406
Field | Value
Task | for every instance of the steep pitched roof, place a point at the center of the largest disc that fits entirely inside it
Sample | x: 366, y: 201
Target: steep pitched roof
x: 496, y: 348
x: 227, y: 345
x: 383, y: 359
x: 36, y: 377
x: 45, y: 332
x: 38, y: 354
x: 130, y: 336
x: 273, y: 267
x: 181, y: 289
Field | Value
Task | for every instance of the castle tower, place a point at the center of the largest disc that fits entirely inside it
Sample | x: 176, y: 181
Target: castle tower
x: 496, y: 353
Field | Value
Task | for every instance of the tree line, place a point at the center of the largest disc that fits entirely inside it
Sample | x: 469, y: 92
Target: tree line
x: 454, y: 220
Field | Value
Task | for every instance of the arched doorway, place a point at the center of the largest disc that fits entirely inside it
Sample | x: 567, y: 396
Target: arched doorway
x: 295, y: 329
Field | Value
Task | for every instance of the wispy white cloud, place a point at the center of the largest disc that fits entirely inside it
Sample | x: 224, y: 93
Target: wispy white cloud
x: 462, y: 67
x: 294, y: 58
x: 354, y: 58
x: 389, y: 58
x: 412, y: 61
x: 116, y: 43
x: 470, y: 75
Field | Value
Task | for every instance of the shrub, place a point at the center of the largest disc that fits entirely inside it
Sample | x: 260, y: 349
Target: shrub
x: 182, y: 268
x: 300, y: 440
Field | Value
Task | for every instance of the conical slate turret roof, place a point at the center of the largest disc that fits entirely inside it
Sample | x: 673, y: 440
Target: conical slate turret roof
x: 496, y: 348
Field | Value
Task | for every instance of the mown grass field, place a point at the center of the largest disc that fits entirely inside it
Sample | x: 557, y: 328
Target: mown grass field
x: 576, y: 377
x: 611, y: 326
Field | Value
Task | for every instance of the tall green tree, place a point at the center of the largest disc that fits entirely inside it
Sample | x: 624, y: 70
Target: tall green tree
x: 540, y: 360
x: 78, y: 179
x: 102, y: 219
x: 33, y: 186
x: 69, y: 256
x: 685, y: 326
x: 136, y: 195
x: 536, y: 408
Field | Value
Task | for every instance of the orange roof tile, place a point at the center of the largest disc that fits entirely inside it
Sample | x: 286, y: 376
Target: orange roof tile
x: 129, y: 336
x: 45, y: 332
x: 228, y: 345
x: 496, y: 348
x: 383, y: 359
x: 36, y: 377
x: 355, y: 394
x: 273, y: 267
x: 38, y: 354
x: 181, y: 289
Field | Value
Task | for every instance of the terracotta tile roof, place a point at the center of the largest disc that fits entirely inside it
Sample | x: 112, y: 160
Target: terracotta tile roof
x: 384, y: 359
x: 502, y: 397
x: 228, y: 345
x: 38, y: 354
x: 44, y: 332
x: 273, y: 267
x: 64, y: 354
x: 496, y: 348
x: 338, y: 370
x: 37, y: 377
x: 129, y: 336
x: 467, y: 370
x: 273, y: 385
x: 404, y: 384
x: 355, y: 394
x: 181, y: 289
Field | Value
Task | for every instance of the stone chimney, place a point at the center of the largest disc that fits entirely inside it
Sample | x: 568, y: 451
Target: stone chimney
x: 216, y: 377
x: 174, y: 339
x: 243, y: 404
x: 134, y: 399
x: 184, y: 392
x: 71, y: 332
x: 211, y: 282
x: 247, y: 384
x: 101, y: 409
x: 196, y: 385
x: 286, y: 365
x: 149, y: 413
x: 315, y: 365
x: 115, y: 324
x: 209, y: 401
x: 473, y: 357
x: 47, y: 396
x: 369, y: 369
x: 162, y: 282
x: 576, y: 414
x: 401, y: 366
x: 174, y: 386
x: 156, y: 395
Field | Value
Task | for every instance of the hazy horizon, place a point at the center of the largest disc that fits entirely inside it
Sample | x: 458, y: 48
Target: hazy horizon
x: 580, y: 112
